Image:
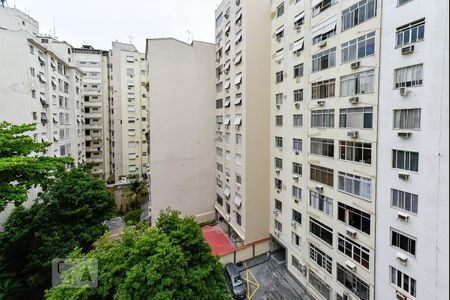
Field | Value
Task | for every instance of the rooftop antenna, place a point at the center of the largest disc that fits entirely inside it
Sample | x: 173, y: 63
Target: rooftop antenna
x: 3, y: 2
x: 130, y: 38
x: 190, y: 37
x: 54, y: 28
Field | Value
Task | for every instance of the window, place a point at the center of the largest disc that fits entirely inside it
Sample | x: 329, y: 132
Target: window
x: 354, y: 217
x: 295, y: 239
x: 319, y: 285
x: 278, y: 142
x: 409, y: 76
x: 31, y: 49
x: 238, y: 179
x: 238, y: 219
x: 227, y: 155
x: 320, y: 6
x: 321, y: 231
x: 238, y: 159
x: 62, y: 150
x: 279, y: 98
x: 320, y: 202
x: 280, y: 10
x: 322, y: 175
x: 322, y: 118
x: 296, y: 193
x: 219, y: 120
x: 219, y: 183
x: 323, y: 89
x: 404, y: 201
x: 219, y: 167
x: 401, y: 2
x: 324, y: 60
x: 358, y: 48
x: 298, y: 120
x: 278, y: 205
x: 296, y: 264
x: 219, y: 151
x: 219, y: 200
x: 33, y: 72
x: 279, y: 120
x: 298, y: 71
x: 299, y: 19
x: 354, y: 250
x: 278, y: 184
x: 278, y: 226
x: 320, y: 258
x: 279, y: 77
x: 33, y: 93
x: 407, y: 119
x: 403, y: 281
x: 278, y: 163
x: 355, y: 185
x: 298, y: 95
x: 355, y: 151
x: 323, y: 147
x: 403, y: 242
x: 219, y: 103
x: 410, y: 33
x: 358, y: 83
x: 358, y: 13
x: 296, y: 217
x: 405, y: 160
x: 228, y: 208
x: 324, y: 30
x: 279, y: 34
x: 359, y: 117
x: 297, y: 144
x: 296, y: 169
x: 353, y: 283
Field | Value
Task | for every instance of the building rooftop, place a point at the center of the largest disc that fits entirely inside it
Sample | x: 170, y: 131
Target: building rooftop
x: 217, y: 240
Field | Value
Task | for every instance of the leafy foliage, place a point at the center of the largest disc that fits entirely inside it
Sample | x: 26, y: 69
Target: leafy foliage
x: 21, y: 163
x: 67, y: 216
x: 169, y: 261
x: 136, y: 194
x: 133, y: 216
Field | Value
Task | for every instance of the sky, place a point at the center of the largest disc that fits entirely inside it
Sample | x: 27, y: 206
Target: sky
x: 99, y: 22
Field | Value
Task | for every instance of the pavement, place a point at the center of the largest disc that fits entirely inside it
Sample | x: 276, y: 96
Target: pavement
x: 267, y: 279
x: 217, y: 240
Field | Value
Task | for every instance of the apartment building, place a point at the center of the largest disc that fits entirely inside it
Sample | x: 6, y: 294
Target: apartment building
x: 182, y: 112
x: 95, y: 64
x: 242, y: 118
x: 412, y: 254
x: 129, y: 111
x: 324, y: 99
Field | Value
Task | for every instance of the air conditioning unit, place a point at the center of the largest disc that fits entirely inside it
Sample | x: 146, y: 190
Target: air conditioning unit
x: 238, y: 2
x: 297, y: 152
x: 297, y: 53
x: 277, y: 170
x: 354, y: 100
x: 303, y: 269
x: 217, y: 59
x: 351, y: 232
x: 403, y: 176
x: 350, y: 265
x: 278, y: 39
x: 296, y: 177
x: 402, y: 258
x: 298, y: 28
x: 400, y: 296
x: 227, y: 218
x: 403, y: 91
x: 277, y: 233
x: 276, y: 212
x: 227, y: 15
x: 278, y: 106
x: 353, y: 133
x: 402, y: 216
x: 225, y: 71
x: 294, y: 225
x: 322, y: 44
x: 355, y: 65
x: 404, y: 134
x: 321, y: 102
x: 408, y: 49
x: 346, y: 296
x: 297, y: 105
x: 319, y: 188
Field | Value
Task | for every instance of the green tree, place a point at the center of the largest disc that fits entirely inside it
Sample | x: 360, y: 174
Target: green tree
x: 136, y: 193
x: 68, y: 215
x: 152, y: 263
x: 22, y: 165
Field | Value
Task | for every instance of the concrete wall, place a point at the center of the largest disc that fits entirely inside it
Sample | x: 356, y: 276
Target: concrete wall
x: 182, y: 151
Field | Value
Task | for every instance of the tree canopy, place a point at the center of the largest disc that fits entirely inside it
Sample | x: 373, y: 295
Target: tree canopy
x: 22, y: 165
x: 68, y: 215
x: 168, y: 261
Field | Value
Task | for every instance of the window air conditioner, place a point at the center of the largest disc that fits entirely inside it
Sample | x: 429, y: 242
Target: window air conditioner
x: 351, y: 232
x: 238, y: 2
x: 403, y: 176
x: 297, y: 152
x: 354, y: 100
x: 400, y: 296
x: 298, y: 28
x: 297, y: 105
x: 322, y: 44
x: 355, y: 65
x: 217, y: 59
x: 346, y: 296
x: 227, y: 218
x: 350, y: 265
x: 296, y: 177
x: 227, y: 15
x: 277, y: 233
x: 303, y: 269
x: 402, y: 258
x: 403, y: 91
x: 408, y: 49
x: 402, y: 216
x: 276, y: 212
x: 294, y: 225
x: 353, y: 133
x: 278, y: 106
x: 404, y: 134
x: 321, y: 102
x: 319, y: 188
x: 277, y: 170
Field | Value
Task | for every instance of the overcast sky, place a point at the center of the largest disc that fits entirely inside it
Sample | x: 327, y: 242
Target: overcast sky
x: 98, y: 22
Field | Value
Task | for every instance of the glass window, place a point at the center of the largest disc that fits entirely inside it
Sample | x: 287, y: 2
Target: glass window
x: 321, y: 231
x: 322, y: 175
x: 355, y: 151
x: 358, y: 13
x: 358, y: 83
x: 359, y: 117
x: 404, y: 201
x: 409, y: 76
x: 407, y: 119
x: 405, y: 160
x: 321, y: 202
x: 358, y: 48
x: 324, y: 60
x: 410, y: 33
x: 322, y: 118
x: 323, y: 147
x: 354, y: 217
x: 323, y: 89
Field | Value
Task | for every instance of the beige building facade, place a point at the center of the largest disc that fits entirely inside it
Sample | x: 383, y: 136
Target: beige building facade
x: 182, y: 110
x: 242, y: 119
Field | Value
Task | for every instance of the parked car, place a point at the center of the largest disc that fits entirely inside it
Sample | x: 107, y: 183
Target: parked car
x: 234, y: 281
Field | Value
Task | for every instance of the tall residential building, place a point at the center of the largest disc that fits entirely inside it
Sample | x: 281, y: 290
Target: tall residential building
x: 182, y: 112
x: 324, y: 99
x: 412, y: 253
x: 129, y: 111
x: 242, y: 118
x: 95, y: 64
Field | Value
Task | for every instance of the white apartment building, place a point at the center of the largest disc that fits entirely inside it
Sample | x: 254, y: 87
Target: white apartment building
x: 242, y: 118
x: 129, y: 111
x: 182, y: 111
x: 324, y: 99
x: 412, y: 254
x: 95, y: 64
